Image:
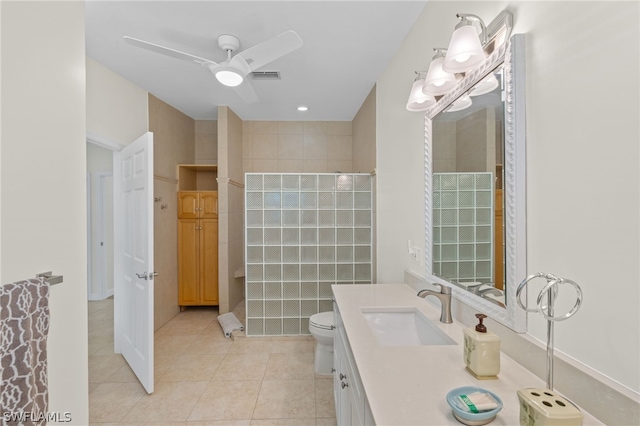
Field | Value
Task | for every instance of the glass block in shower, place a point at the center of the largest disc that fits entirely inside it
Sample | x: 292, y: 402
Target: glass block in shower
x: 437, y: 237
x: 362, y: 200
x: 483, y: 199
x: 484, y: 251
x: 308, y: 200
x: 272, y: 218
x: 436, y: 269
x: 325, y: 305
x: 291, y: 290
x: 483, y: 233
x: 290, y: 200
x: 254, y: 200
x: 344, y: 200
x: 362, y: 235
x: 449, y: 252
x: 273, y: 326
x: 272, y: 200
x: 344, y: 183
x: 449, y: 270
x: 483, y: 269
x: 291, y: 308
x: 254, y: 272
x: 345, y: 272
x: 466, y: 216
x: 291, y: 272
x: 327, y: 272
x: 436, y: 253
x: 327, y: 183
x: 272, y: 308
x: 291, y: 326
x: 484, y: 180
x: 448, y: 181
x: 308, y: 182
x: 272, y: 272
x: 309, y: 272
x: 327, y: 236
x: 309, y: 254
x: 324, y: 290
x: 466, y: 252
x: 449, y: 217
x: 291, y: 218
x: 291, y: 254
x: 255, y: 327
x: 255, y: 308
x: 254, y: 254
x: 273, y: 290
x: 326, y: 200
x: 290, y: 236
x: 344, y: 218
x: 255, y: 290
x: 448, y: 200
x: 345, y: 254
x: 466, y: 234
x: 466, y: 181
x: 466, y: 199
x: 449, y: 235
x: 362, y: 217
x: 466, y: 270
x: 309, y: 236
x: 254, y: 182
x: 254, y: 218
x: 362, y: 183
x: 304, y: 326
x: 272, y: 254
x: 272, y: 182
x: 309, y: 290
x: 436, y: 199
x: 362, y: 272
x: 435, y: 181
x: 435, y: 217
x: 308, y: 308
x: 362, y: 254
x: 483, y: 216
x: 309, y: 218
x: 326, y: 254
x: 290, y: 182
x: 326, y: 218
x: 344, y: 235
x: 272, y: 236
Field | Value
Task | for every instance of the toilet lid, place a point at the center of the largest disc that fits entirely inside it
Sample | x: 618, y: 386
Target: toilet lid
x: 322, y: 320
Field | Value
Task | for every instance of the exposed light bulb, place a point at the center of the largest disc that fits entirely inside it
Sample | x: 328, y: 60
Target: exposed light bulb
x: 229, y: 77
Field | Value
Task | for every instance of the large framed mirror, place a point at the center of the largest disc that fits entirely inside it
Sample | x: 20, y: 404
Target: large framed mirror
x: 475, y: 193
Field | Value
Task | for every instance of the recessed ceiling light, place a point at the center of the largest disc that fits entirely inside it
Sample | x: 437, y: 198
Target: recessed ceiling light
x: 303, y: 108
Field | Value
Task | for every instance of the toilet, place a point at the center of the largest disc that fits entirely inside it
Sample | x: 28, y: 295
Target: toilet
x: 322, y: 328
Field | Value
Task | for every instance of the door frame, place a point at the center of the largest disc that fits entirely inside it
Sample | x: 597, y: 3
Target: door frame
x: 101, y: 291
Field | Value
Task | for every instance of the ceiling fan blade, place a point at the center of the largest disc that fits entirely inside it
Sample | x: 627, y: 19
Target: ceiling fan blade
x: 167, y: 51
x: 246, y: 92
x: 272, y: 49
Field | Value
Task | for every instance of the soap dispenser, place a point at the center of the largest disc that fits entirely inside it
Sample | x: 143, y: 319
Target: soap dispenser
x: 481, y: 351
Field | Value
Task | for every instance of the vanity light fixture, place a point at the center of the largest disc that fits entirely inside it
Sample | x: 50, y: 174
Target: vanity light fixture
x: 466, y: 46
x: 463, y: 102
x: 303, y: 108
x: 418, y: 100
x: 488, y: 84
x: 438, y: 81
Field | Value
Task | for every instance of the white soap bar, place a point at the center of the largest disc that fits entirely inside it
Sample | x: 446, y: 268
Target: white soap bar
x: 477, y: 401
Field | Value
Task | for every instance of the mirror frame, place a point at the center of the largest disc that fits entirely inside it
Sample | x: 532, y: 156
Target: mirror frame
x: 512, y: 55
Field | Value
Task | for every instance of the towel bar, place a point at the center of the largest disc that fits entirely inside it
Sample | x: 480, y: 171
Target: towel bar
x: 50, y: 278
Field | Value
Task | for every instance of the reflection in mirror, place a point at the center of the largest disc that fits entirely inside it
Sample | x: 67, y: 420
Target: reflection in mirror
x: 468, y: 148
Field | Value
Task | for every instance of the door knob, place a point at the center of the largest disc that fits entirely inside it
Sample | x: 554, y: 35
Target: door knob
x: 149, y: 276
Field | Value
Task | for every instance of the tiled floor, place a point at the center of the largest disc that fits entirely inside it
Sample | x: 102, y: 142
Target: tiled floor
x: 203, y: 378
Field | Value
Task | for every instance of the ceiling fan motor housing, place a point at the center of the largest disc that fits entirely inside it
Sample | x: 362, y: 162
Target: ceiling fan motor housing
x: 228, y: 42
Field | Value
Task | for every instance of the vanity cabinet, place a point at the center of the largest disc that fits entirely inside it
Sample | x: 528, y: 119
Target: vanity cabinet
x: 352, y: 407
x: 197, y: 248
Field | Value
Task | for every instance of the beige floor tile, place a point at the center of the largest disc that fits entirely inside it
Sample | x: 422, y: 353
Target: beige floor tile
x: 249, y: 345
x: 173, y: 344
x: 284, y: 422
x: 162, y: 363
x: 227, y: 400
x: 281, y: 399
x: 330, y: 421
x: 288, y: 366
x: 220, y: 423
x: 169, y: 402
x: 242, y: 366
x: 103, y: 366
x: 93, y: 385
x: 123, y: 375
x: 208, y: 344
x: 325, y: 403
x: 110, y: 402
x: 193, y: 368
x: 294, y: 345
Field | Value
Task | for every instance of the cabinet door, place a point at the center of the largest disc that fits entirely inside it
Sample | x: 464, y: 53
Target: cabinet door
x: 187, y: 205
x: 188, y: 243
x: 209, y: 261
x: 208, y: 205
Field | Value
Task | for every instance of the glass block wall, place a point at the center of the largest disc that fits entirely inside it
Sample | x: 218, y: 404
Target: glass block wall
x: 304, y: 233
x: 463, y: 226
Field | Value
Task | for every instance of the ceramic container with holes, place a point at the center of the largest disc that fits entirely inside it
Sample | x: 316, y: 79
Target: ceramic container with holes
x: 543, y: 407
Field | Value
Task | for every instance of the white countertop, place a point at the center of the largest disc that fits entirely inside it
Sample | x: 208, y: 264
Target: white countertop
x: 408, y: 385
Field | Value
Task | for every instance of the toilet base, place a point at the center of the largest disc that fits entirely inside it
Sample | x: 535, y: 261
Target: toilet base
x: 323, y: 363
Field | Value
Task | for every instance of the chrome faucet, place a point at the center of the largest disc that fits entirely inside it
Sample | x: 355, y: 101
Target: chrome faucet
x: 445, y: 300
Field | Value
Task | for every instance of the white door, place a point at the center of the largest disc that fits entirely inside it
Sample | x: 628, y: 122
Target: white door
x: 133, y: 257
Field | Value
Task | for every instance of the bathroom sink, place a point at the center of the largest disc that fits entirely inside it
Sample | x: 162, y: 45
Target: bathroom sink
x: 404, y: 326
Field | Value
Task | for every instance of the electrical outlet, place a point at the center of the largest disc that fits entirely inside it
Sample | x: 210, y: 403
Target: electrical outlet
x: 418, y: 255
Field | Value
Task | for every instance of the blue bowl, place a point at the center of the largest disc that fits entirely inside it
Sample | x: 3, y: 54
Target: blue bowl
x: 467, y: 417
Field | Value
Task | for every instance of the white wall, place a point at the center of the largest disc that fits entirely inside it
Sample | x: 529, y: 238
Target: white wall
x: 583, y: 181
x: 43, y: 178
x: 117, y: 109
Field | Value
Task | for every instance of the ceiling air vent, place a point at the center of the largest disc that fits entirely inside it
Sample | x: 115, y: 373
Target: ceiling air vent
x: 265, y: 75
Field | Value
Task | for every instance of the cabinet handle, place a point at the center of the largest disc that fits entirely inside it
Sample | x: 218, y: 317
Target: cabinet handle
x: 344, y: 385
x: 342, y: 376
x: 333, y: 370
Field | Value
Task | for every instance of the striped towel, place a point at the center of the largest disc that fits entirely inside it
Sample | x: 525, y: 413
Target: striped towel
x: 229, y: 322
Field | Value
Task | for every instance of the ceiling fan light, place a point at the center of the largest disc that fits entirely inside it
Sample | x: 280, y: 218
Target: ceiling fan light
x: 465, y: 50
x: 438, y: 81
x: 229, y: 77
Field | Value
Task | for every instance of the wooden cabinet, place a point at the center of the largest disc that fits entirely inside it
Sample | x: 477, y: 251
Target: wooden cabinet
x: 197, y: 248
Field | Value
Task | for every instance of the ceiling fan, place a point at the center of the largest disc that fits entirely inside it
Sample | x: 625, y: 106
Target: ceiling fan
x: 234, y: 70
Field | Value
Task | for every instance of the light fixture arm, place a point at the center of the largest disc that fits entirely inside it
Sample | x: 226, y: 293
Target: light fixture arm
x: 469, y: 19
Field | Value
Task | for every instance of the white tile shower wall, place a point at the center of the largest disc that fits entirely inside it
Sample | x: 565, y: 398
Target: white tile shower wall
x: 463, y: 226
x: 304, y: 233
